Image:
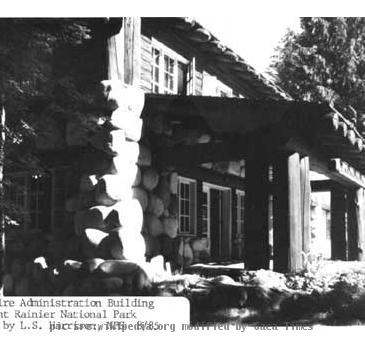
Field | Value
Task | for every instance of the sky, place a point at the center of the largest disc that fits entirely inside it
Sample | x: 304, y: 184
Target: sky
x: 254, y: 38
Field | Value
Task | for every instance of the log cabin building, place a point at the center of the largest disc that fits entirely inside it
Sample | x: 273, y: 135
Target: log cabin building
x: 224, y: 165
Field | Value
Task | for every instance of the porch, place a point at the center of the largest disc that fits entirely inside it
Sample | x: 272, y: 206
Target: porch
x: 285, y: 138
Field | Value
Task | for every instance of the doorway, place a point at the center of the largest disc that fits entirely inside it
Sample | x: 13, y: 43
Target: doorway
x: 218, y: 201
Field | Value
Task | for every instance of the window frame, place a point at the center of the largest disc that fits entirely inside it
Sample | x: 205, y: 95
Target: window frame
x: 55, y: 208
x: 192, y: 207
x: 206, y: 190
x: 240, y: 212
x: 27, y: 225
x: 173, y: 56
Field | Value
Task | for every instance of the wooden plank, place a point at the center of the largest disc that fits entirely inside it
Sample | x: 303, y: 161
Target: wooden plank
x: 146, y: 63
x: 256, y: 239
x: 287, y: 214
x: 305, y: 203
x: 338, y: 223
x: 132, y: 50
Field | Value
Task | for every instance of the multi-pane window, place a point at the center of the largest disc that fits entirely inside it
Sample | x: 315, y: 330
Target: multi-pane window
x: 169, y: 75
x: 169, y: 70
x: 27, y: 195
x: 60, y: 189
x: 156, y: 54
x: 37, y: 194
x: 164, y: 73
x: 240, y: 196
x: 187, y: 209
x: 205, y: 212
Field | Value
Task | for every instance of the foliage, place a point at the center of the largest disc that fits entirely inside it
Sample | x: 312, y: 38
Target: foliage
x: 46, y: 77
x: 325, y: 62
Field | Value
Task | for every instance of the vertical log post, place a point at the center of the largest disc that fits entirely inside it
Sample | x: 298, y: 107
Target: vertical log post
x: 287, y: 214
x: 338, y: 223
x: 115, y: 49
x: 132, y: 50
x: 305, y: 203
x: 360, y: 219
x: 256, y: 239
x: 352, y: 226
x: 123, y: 49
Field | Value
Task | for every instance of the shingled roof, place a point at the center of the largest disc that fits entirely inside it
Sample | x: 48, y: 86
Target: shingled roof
x: 219, y: 56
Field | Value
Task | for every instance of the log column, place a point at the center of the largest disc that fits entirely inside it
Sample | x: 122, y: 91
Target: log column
x: 256, y: 239
x: 338, y: 223
x: 352, y: 229
x: 305, y: 203
x: 356, y: 224
x: 287, y: 214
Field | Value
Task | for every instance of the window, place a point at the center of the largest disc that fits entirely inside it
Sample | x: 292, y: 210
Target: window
x: 28, y: 195
x: 37, y: 195
x: 205, y: 211
x: 60, y: 188
x: 187, y: 205
x: 240, y: 207
x: 169, y: 70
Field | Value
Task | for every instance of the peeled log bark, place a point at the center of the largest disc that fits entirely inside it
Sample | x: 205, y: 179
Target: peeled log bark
x: 155, y: 205
x: 129, y: 122
x: 150, y: 178
x: 153, y: 225
x: 88, y: 182
x: 170, y: 227
x: 121, y: 96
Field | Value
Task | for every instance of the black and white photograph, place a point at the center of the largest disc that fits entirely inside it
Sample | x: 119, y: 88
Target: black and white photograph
x: 169, y: 157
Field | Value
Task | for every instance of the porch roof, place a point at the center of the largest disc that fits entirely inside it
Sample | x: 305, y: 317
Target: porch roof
x: 314, y: 129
